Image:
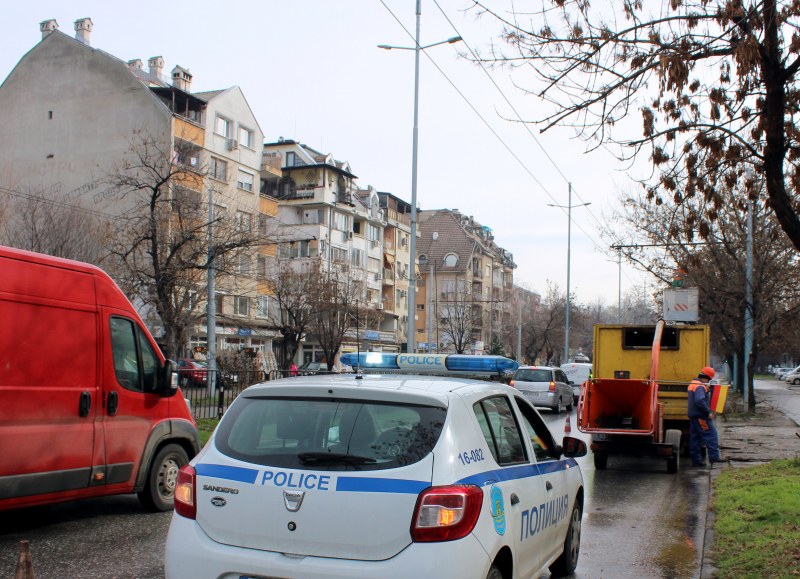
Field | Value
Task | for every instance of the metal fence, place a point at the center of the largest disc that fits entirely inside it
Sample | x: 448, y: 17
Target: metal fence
x: 212, y: 402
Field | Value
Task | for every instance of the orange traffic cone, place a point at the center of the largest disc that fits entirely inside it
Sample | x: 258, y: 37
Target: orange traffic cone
x: 567, y: 426
x: 24, y: 562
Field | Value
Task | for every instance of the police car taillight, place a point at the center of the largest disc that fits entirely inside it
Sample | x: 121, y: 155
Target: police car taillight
x: 185, y: 495
x: 446, y: 513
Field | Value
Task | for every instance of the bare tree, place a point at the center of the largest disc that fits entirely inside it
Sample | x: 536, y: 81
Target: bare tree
x: 460, y: 317
x: 337, y: 305
x: 160, y: 243
x: 716, y: 82
x: 544, y: 327
x: 294, y: 290
x: 44, y: 222
x: 717, y: 269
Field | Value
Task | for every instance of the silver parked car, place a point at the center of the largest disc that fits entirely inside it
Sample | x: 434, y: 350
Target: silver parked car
x: 544, y: 386
x: 793, y: 376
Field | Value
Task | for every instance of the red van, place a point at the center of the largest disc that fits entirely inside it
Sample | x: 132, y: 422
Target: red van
x: 88, y: 403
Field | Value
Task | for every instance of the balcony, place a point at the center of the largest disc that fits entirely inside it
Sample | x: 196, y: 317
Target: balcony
x: 393, y: 215
x: 388, y: 276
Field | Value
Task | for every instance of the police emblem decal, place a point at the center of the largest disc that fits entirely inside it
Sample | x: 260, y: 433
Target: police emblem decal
x: 498, y: 510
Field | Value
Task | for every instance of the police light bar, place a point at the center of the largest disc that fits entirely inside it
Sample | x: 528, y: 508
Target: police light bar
x: 461, y: 364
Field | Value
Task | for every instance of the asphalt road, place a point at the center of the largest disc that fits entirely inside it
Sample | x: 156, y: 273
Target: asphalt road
x: 638, y: 522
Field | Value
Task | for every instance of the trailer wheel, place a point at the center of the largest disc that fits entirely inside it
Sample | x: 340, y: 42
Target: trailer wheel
x: 600, y: 460
x: 673, y: 437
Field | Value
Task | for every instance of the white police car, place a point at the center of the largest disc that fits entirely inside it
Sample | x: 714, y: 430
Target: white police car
x: 380, y: 476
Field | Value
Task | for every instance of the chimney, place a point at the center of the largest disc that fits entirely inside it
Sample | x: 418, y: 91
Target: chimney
x: 156, y: 65
x: 182, y: 79
x: 135, y: 64
x: 47, y: 27
x: 83, y: 30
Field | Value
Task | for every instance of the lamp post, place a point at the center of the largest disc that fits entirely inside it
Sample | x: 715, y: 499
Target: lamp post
x: 568, y: 207
x: 412, y: 290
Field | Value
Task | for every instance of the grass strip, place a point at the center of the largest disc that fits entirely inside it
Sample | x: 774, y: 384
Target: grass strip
x: 757, y: 523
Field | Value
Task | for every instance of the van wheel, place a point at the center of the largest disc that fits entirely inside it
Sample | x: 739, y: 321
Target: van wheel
x: 566, y: 563
x: 159, y: 489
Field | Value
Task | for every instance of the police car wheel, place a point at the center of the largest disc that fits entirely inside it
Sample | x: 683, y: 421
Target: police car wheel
x: 568, y: 561
x: 159, y: 489
x: 494, y: 573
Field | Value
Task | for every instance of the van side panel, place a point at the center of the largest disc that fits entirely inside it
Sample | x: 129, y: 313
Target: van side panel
x: 48, y: 367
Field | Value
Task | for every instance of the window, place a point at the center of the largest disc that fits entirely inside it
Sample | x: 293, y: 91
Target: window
x: 373, y: 232
x: 450, y: 260
x: 276, y: 431
x: 374, y: 264
x: 245, y: 181
x: 220, y: 302
x: 223, y: 127
x: 135, y: 363
x: 243, y: 221
x: 245, y: 137
x: 261, y: 267
x: 312, y: 216
x: 338, y: 254
x: 541, y: 439
x: 262, y: 306
x: 243, y: 264
x: 357, y: 257
x: 341, y: 221
x: 263, y: 223
x: 499, y: 427
x: 295, y: 249
x: 241, y: 306
x: 218, y: 169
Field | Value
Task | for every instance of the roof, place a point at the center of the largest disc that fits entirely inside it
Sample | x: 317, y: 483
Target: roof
x: 382, y: 386
x: 451, y: 238
x: 207, y: 95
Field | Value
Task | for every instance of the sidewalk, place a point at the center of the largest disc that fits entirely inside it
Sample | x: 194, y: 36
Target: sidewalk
x: 772, y: 433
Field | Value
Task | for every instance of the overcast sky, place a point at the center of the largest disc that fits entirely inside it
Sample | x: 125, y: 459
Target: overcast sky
x: 311, y: 71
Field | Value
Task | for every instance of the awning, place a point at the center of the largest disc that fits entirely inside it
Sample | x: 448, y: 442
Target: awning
x: 389, y: 259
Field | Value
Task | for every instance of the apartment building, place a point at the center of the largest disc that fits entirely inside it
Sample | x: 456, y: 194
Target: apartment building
x: 342, y: 226
x: 466, y: 283
x: 74, y: 112
x: 397, y: 269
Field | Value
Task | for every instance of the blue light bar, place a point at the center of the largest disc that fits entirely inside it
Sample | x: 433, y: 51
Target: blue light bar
x: 458, y: 364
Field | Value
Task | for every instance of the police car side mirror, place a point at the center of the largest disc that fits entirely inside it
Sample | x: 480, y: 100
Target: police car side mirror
x: 573, y: 447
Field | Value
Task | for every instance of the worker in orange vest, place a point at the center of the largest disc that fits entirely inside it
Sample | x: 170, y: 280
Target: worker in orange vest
x: 701, y: 419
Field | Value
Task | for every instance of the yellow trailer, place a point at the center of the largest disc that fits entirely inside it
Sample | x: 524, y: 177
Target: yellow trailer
x: 628, y: 353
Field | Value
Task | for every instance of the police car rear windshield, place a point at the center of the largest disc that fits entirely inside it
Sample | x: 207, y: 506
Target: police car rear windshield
x: 316, y: 434
x: 530, y: 375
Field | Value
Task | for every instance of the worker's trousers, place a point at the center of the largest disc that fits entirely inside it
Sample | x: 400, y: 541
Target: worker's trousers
x: 702, y: 430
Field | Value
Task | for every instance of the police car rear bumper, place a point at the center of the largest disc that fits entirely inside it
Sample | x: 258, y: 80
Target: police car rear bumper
x: 191, y: 553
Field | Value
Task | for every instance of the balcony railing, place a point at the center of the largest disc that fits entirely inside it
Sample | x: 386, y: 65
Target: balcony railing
x: 388, y: 276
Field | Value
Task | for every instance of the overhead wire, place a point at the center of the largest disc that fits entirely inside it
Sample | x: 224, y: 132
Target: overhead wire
x: 492, y: 130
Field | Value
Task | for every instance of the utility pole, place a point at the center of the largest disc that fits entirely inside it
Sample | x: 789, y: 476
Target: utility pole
x: 748, y: 306
x: 211, y: 302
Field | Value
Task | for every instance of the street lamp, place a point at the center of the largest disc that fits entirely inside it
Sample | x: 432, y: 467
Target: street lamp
x: 568, y: 207
x: 412, y: 291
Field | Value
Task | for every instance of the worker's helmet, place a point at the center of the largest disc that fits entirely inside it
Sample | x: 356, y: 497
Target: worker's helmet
x: 708, y: 372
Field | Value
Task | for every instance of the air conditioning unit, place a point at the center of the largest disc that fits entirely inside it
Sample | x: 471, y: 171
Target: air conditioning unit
x: 374, y: 243
x: 404, y: 319
x: 403, y: 241
x: 378, y: 277
x: 380, y: 306
x: 349, y: 235
x: 233, y: 144
x: 403, y: 293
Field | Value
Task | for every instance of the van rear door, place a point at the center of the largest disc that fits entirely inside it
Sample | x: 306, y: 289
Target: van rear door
x: 49, y: 395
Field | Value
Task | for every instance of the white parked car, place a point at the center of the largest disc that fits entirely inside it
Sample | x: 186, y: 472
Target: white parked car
x: 389, y: 476
x: 793, y: 376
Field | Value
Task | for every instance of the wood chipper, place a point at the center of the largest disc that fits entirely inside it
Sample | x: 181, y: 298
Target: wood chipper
x: 626, y: 415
